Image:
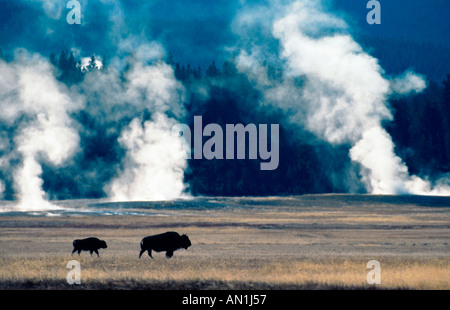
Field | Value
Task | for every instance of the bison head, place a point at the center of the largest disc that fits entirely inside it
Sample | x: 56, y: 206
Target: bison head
x: 102, y: 244
x: 185, y: 242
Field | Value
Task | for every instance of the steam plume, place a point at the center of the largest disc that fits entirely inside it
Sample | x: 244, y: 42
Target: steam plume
x: 329, y: 86
x: 153, y: 168
x: 154, y: 164
x: 343, y: 94
x: 37, y: 109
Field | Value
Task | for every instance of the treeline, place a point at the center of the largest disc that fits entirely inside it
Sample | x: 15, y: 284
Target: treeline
x: 420, y: 130
x: 70, y: 69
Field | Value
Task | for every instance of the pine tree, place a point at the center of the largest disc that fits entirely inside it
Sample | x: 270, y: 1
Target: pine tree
x: 92, y: 64
x: 212, y: 70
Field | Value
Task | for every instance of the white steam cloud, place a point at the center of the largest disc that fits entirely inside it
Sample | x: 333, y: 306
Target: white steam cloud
x: 153, y: 168
x: 140, y: 104
x: 85, y: 62
x: 330, y: 86
x: 36, y: 108
x: 343, y: 93
x: 408, y: 82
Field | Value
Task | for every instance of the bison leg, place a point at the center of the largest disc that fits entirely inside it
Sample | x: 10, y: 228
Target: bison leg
x: 96, y: 251
x: 140, y: 253
x: 79, y: 251
x: 74, y: 250
x: 169, y: 254
x: 150, y: 253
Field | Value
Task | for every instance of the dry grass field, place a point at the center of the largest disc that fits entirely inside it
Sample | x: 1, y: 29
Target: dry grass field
x: 305, y: 242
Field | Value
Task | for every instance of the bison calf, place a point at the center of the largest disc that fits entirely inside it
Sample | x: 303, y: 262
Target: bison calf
x: 89, y: 244
x: 169, y: 242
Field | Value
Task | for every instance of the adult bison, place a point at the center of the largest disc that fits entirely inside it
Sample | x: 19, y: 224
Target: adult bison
x: 169, y: 242
x: 89, y: 244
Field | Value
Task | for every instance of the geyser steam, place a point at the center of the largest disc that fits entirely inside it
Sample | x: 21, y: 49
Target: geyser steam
x: 154, y: 163
x: 36, y: 109
x: 142, y: 103
x: 113, y: 129
x: 343, y: 94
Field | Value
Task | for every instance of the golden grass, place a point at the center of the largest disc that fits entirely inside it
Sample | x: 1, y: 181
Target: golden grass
x: 267, y: 248
x: 127, y: 272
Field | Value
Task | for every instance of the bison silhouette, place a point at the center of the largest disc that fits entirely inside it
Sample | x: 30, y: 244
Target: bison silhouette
x: 169, y: 242
x: 91, y: 244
